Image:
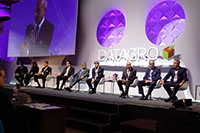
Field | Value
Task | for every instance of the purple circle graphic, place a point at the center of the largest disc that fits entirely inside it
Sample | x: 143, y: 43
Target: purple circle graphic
x: 111, y: 28
x: 165, y: 23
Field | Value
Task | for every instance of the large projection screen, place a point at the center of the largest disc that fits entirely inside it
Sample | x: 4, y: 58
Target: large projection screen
x: 43, y: 28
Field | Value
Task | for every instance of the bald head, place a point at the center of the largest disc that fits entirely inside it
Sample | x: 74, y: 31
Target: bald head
x: 40, y: 10
x: 128, y: 65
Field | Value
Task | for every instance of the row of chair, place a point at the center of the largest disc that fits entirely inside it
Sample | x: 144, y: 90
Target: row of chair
x: 103, y: 80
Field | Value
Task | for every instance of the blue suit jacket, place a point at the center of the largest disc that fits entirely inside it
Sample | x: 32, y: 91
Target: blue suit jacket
x: 85, y: 73
x: 156, y: 74
x: 182, y: 75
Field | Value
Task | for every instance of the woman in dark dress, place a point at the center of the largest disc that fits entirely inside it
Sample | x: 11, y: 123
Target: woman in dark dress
x: 34, y: 70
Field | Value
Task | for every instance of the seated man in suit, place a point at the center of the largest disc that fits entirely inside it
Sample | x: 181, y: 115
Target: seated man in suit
x: 34, y: 70
x: 20, y: 73
x: 128, y: 76
x: 65, y: 75
x: 178, y: 78
x: 150, y: 79
x: 97, y: 74
x: 82, y: 74
x: 46, y: 70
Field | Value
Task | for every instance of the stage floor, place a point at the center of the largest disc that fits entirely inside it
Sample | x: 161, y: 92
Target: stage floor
x: 103, y: 98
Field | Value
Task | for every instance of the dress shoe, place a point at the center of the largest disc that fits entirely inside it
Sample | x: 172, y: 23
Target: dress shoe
x: 174, y: 99
x: 90, y: 92
x: 68, y: 89
x: 121, y: 95
x: 146, y: 97
x: 124, y: 96
x: 38, y: 87
x: 171, y: 99
x: 168, y: 99
x: 142, y: 98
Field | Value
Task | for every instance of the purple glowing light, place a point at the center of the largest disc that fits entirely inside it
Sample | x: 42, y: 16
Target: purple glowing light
x: 111, y: 28
x: 4, y: 31
x: 165, y: 23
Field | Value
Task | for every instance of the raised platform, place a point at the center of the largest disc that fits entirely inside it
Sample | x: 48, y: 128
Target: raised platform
x: 104, y: 112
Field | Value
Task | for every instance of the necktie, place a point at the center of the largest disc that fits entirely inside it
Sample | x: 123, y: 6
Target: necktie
x: 36, y: 31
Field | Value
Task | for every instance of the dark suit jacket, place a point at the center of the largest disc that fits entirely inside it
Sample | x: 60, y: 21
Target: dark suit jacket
x: 182, y: 75
x: 47, y: 71
x: 71, y: 71
x: 132, y: 75
x: 85, y: 73
x: 34, y: 70
x: 43, y: 40
x: 155, y: 76
x: 21, y: 70
x: 100, y: 73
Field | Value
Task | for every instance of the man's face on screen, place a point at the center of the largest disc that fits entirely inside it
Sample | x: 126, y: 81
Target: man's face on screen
x: 40, y: 10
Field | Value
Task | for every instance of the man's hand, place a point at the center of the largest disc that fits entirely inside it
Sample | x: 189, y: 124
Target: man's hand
x: 31, y: 35
x: 23, y: 48
x: 181, y: 83
x: 123, y: 81
x: 147, y: 81
x: 40, y: 73
x: 92, y: 81
x: 162, y: 82
x: 81, y: 77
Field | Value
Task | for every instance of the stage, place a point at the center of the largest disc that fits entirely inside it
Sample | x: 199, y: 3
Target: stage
x: 103, y: 112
